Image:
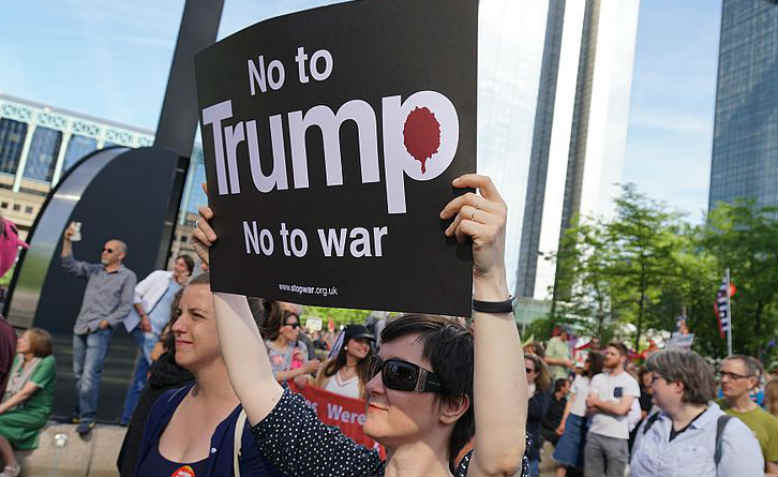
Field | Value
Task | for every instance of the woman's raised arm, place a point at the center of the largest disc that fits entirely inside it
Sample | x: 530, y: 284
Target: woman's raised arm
x: 242, y: 347
x: 246, y: 357
x: 500, y: 384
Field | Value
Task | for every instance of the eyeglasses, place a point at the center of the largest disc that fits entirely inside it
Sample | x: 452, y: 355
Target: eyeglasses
x: 109, y: 250
x: 401, y: 375
x: 726, y: 374
x: 529, y: 370
x: 293, y: 325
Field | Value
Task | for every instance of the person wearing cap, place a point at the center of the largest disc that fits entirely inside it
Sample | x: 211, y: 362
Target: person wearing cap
x: 349, y: 371
x: 558, y: 356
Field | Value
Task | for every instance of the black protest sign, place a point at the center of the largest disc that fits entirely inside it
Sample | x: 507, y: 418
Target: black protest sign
x: 331, y: 137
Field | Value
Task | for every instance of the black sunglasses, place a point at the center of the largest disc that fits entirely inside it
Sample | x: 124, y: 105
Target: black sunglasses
x: 109, y: 250
x: 529, y: 370
x: 401, y: 375
x: 293, y: 325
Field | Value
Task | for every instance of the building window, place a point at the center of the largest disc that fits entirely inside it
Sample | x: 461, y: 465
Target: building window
x: 4, y: 205
x: 78, y: 147
x: 184, y: 238
x: 12, y: 134
x: 33, y: 191
x: 17, y: 207
x: 42, y: 157
x: 28, y: 209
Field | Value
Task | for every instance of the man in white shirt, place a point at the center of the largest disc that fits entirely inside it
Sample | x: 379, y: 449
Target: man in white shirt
x: 610, y: 399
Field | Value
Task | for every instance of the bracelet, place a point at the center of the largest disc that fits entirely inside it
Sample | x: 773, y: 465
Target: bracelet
x: 493, y: 306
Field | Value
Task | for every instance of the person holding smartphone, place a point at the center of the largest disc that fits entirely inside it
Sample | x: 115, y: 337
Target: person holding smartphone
x: 110, y: 287
x: 611, y: 394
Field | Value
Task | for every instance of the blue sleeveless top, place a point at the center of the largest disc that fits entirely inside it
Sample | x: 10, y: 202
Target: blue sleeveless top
x: 220, y: 462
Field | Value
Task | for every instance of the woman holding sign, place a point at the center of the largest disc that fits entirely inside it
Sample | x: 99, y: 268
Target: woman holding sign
x: 432, y: 380
x: 197, y: 429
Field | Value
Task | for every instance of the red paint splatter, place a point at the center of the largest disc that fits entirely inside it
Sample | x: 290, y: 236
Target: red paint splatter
x: 421, y: 135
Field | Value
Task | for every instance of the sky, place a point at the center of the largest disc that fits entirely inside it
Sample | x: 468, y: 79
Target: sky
x: 111, y: 60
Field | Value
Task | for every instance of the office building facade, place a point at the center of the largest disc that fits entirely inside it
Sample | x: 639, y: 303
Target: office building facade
x: 579, y: 128
x: 39, y: 143
x: 744, y: 162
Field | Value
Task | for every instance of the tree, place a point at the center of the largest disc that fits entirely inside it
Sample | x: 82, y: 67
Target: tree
x: 341, y: 316
x: 643, y: 236
x: 583, y: 283
x: 742, y: 237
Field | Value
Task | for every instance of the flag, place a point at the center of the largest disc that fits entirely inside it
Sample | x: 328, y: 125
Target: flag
x: 721, y: 306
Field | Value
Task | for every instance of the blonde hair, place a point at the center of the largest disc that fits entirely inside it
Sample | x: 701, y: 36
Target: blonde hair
x: 771, y: 397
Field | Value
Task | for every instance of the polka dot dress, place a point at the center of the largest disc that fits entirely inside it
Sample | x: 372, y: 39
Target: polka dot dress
x: 297, y: 443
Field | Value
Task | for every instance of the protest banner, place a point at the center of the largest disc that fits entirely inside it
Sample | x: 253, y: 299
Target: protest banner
x: 331, y: 137
x: 343, y: 412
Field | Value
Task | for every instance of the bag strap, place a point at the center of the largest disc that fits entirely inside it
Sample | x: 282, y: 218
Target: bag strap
x: 650, y: 421
x: 237, y: 441
x: 721, y: 423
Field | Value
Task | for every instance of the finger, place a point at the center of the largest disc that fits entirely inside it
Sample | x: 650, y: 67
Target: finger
x: 205, y: 212
x: 201, y: 252
x: 471, y: 199
x: 483, y: 183
x: 465, y: 213
x: 200, y: 236
x: 474, y: 230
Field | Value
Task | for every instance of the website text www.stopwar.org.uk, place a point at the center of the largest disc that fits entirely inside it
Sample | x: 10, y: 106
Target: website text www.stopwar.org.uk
x: 308, y: 290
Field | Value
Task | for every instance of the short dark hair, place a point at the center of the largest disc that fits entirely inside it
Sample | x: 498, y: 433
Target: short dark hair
x: 559, y: 384
x: 188, y: 261
x: 449, y: 348
x: 619, y: 346
x: 686, y: 367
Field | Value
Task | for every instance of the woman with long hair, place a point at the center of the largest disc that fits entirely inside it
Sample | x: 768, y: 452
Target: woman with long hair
x: 193, y: 429
x: 539, y: 382
x: 288, y: 354
x: 348, y: 372
x: 569, y: 450
x: 431, y: 381
x: 29, y: 395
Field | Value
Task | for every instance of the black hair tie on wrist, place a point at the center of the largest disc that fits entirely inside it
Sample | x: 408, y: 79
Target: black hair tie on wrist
x: 493, y: 306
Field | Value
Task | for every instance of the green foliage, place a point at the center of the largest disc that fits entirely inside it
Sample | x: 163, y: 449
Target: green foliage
x: 647, y: 266
x: 341, y: 316
x: 742, y: 237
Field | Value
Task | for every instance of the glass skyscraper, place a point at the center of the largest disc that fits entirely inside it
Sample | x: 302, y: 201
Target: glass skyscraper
x: 745, y: 134
x: 579, y: 128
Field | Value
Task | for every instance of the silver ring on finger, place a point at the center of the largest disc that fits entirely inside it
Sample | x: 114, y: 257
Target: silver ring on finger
x: 197, y: 223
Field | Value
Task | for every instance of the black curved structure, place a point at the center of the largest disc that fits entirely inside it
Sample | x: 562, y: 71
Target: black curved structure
x: 117, y: 193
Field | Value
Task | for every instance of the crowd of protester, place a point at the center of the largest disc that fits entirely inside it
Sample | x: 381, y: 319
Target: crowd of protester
x: 210, y: 392
x: 671, y: 416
